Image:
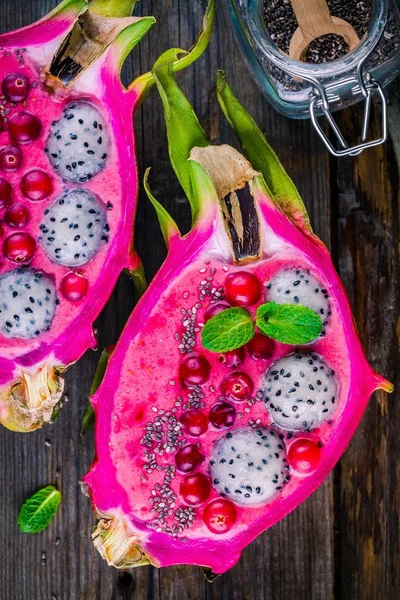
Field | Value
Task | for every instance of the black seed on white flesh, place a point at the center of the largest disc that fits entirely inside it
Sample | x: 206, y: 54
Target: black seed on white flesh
x: 249, y: 466
x: 298, y: 286
x: 27, y: 303
x: 74, y: 228
x: 78, y: 144
x: 300, y: 391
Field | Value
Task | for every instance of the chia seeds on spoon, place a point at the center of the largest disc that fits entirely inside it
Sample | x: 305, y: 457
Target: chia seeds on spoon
x: 281, y: 23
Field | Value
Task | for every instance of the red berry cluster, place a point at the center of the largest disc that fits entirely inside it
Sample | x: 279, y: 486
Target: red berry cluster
x: 36, y: 185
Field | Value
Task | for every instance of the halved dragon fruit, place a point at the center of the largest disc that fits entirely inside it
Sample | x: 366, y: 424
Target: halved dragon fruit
x: 197, y: 454
x: 67, y: 191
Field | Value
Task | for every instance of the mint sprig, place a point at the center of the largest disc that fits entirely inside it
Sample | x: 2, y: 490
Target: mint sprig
x: 38, y: 511
x: 287, y: 323
x: 228, y: 330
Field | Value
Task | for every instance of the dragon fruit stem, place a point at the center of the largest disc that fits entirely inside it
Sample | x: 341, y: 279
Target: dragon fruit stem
x: 117, y: 545
x: 32, y: 400
x: 91, y: 35
x: 261, y: 155
x: 232, y: 176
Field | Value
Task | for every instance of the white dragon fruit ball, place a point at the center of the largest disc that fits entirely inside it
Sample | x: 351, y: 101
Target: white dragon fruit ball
x: 73, y: 228
x: 78, y: 144
x: 28, y: 303
x: 300, y: 391
x: 298, y: 286
x: 249, y: 466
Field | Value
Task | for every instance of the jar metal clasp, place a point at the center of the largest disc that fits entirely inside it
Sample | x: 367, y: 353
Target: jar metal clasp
x: 323, y: 95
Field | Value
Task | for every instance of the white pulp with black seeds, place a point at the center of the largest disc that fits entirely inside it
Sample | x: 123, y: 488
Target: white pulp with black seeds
x: 300, y: 391
x: 298, y: 286
x: 74, y: 228
x: 27, y: 303
x: 249, y: 466
x: 78, y: 143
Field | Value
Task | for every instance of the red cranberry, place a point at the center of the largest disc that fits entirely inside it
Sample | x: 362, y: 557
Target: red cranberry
x: 188, y: 458
x: 24, y: 127
x: 19, y: 247
x: 5, y: 192
x: 304, y: 455
x: 195, y: 489
x: 237, y: 386
x: 17, y: 215
x: 194, y: 369
x: 36, y: 185
x: 10, y: 159
x: 219, y: 515
x: 222, y: 415
x: 260, y: 346
x: 15, y: 87
x: 242, y: 288
x: 214, y: 309
x: 195, y: 422
x: 233, y: 359
x: 74, y: 286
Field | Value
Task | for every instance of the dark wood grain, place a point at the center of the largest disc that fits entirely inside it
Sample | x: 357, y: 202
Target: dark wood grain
x: 343, y: 542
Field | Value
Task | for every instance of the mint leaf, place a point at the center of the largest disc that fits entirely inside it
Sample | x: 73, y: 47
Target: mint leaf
x: 228, y: 330
x: 37, y: 512
x: 288, y: 323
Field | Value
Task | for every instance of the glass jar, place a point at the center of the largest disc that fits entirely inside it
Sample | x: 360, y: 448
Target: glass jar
x: 300, y: 90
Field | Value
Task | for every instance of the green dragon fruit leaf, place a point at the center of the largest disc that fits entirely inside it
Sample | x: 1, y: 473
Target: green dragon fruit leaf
x: 132, y: 35
x: 262, y: 156
x: 167, y: 224
x: 183, y: 129
x: 66, y: 5
x: 112, y: 8
x: 177, y: 58
x: 88, y: 415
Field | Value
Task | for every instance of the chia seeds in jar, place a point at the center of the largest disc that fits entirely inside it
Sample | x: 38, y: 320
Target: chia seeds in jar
x: 264, y: 29
x: 332, y: 77
x: 281, y: 23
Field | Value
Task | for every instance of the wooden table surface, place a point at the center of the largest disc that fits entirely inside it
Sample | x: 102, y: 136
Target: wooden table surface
x: 343, y: 542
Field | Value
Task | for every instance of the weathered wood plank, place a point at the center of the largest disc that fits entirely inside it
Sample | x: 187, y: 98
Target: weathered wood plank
x: 368, y: 509
x: 296, y: 558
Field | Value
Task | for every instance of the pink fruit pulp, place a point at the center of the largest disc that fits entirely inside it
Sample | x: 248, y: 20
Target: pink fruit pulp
x: 71, y: 332
x: 148, y: 352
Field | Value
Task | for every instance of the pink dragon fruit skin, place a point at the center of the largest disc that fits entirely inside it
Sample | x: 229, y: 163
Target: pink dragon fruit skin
x: 135, y: 484
x: 61, y: 96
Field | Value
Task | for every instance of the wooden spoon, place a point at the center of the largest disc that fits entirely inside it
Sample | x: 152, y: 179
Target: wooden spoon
x: 315, y: 20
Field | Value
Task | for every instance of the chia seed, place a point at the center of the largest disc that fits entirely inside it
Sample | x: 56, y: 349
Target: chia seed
x: 188, y: 338
x: 281, y: 23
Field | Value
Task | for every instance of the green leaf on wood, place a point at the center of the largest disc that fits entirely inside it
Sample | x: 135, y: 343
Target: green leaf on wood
x: 38, y: 510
